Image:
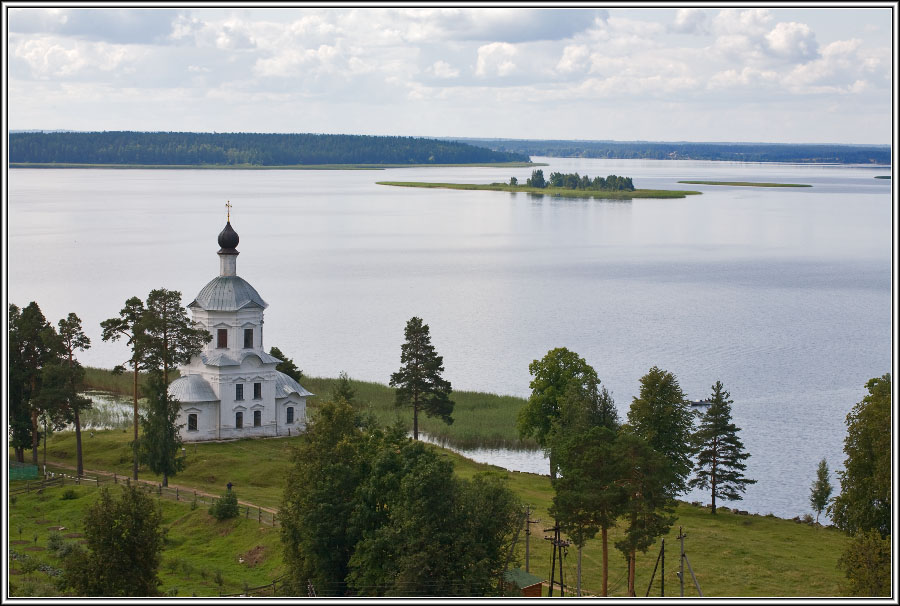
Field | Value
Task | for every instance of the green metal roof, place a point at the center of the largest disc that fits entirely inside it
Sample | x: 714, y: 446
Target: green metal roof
x: 520, y: 578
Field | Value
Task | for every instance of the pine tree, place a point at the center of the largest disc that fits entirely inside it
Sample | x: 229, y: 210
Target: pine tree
x: 821, y: 489
x: 73, y: 338
x: 128, y: 325
x: 419, y: 383
x: 719, y: 451
x: 661, y: 415
x: 167, y: 338
x: 343, y: 389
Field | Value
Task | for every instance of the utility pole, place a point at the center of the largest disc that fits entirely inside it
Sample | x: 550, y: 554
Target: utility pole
x: 662, y: 578
x: 680, y: 537
x: 528, y: 523
x: 558, y: 545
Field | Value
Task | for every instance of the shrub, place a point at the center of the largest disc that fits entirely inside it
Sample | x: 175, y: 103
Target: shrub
x: 225, y: 507
x: 54, y: 541
x: 69, y: 494
x: 218, y: 578
x: 69, y: 549
x: 807, y: 518
x: 866, y: 562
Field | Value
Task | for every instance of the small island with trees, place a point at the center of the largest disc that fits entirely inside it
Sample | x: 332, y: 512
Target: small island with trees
x: 570, y: 185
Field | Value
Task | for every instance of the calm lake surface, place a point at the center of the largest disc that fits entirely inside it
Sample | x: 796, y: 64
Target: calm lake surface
x: 782, y: 294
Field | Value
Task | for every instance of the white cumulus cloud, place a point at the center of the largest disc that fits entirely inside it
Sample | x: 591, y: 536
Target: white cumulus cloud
x: 495, y: 59
x: 442, y: 69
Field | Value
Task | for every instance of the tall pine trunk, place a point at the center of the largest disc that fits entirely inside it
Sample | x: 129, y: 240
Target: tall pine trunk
x: 134, y: 447
x: 604, y: 585
x: 631, y: 565
x: 79, y: 461
x: 35, y: 437
x: 20, y: 454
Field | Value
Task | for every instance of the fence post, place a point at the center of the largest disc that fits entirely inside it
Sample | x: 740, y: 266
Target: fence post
x: 176, y: 493
x: 259, y: 514
x: 115, y: 478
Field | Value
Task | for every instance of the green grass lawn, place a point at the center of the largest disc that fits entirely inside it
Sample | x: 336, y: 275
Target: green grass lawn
x: 199, y: 550
x: 745, y: 183
x: 732, y: 555
x: 550, y: 191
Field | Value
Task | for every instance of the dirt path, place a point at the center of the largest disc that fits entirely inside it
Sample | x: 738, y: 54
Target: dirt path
x: 185, y: 489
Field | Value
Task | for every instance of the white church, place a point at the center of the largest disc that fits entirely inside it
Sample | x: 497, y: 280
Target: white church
x: 231, y: 389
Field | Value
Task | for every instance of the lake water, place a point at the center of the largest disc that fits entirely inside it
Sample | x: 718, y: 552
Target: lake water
x: 782, y: 294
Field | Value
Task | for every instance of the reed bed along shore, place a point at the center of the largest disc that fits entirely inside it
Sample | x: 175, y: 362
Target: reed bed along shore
x: 480, y: 420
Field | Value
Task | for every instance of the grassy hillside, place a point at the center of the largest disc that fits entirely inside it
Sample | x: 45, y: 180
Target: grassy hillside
x: 732, y: 555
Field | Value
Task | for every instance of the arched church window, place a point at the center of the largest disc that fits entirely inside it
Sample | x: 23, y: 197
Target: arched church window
x: 248, y: 338
x: 290, y: 415
x: 257, y: 418
x: 239, y: 420
x: 222, y: 338
x: 257, y: 391
x: 192, y: 422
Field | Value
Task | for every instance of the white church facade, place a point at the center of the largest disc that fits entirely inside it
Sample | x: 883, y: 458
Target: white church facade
x: 231, y: 389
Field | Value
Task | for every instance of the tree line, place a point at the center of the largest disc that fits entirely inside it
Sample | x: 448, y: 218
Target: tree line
x: 233, y: 149
x: 731, y: 152
x: 576, y: 181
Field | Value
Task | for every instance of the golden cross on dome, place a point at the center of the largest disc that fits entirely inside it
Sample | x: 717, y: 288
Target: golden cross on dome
x: 228, y: 205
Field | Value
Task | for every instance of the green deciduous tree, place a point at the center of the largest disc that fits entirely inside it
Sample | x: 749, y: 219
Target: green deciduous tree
x: 18, y: 413
x: 124, y: 539
x: 368, y: 511
x: 866, y: 563
x: 33, y: 344
x: 318, y: 500
x: 559, y: 374
x: 537, y: 179
x: 720, y: 453
x: 286, y: 365
x: 821, y: 489
x: 433, y: 534
x: 865, y: 499
x: 128, y: 325
x: 419, y: 382
x: 661, y: 415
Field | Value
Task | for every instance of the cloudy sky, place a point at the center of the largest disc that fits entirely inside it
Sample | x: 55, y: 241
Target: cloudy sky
x: 820, y: 74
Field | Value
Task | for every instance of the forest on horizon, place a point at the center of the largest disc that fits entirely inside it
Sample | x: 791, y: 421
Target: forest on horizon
x: 241, y: 149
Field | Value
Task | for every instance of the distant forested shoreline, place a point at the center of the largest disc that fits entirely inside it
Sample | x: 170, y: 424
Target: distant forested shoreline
x: 652, y: 150
x: 241, y: 149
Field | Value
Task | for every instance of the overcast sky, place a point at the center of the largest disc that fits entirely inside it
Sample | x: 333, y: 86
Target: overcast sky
x: 691, y: 74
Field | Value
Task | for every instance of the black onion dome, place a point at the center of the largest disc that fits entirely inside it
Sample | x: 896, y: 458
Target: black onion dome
x: 228, y: 239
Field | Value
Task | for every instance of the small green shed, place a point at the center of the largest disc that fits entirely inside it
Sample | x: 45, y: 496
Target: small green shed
x: 519, y: 582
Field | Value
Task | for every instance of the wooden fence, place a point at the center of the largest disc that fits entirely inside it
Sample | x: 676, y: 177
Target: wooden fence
x: 53, y: 479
